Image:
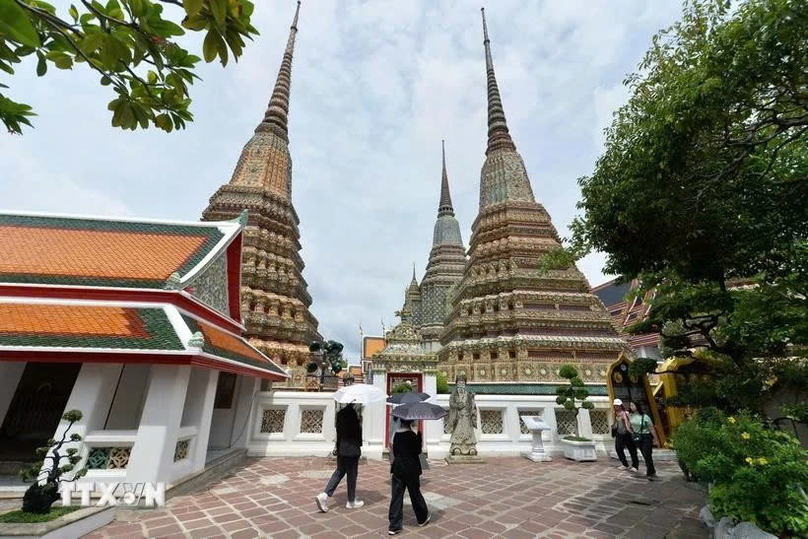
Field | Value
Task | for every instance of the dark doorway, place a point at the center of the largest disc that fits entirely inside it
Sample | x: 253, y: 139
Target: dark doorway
x: 36, y: 408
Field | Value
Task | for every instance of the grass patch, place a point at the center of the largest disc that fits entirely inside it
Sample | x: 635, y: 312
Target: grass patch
x: 20, y: 517
x: 576, y: 439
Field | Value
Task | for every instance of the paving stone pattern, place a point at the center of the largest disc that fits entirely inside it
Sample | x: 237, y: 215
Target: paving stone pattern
x: 506, y: 497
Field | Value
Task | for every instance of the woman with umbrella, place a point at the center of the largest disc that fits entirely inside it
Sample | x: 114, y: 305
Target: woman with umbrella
x: 406, y: 466
x: 349, y: 442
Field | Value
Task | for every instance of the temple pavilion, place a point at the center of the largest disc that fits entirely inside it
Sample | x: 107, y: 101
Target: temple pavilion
x: 138, y: 325
x: 274, y: 297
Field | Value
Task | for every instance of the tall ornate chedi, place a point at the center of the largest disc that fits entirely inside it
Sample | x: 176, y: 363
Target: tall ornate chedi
x: 274, y: 298
x: 447, y: 260
x: 412, y: 344
x: 509, y: 322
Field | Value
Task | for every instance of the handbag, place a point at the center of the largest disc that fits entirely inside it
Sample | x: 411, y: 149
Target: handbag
x: 614, y: 430
x: 637, y: 436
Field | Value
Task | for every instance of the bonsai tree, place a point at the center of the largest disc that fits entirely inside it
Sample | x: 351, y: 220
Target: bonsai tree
x: 46, y: 477
x: 567, y: 395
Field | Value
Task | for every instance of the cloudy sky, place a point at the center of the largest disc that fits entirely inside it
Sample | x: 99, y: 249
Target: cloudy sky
x: 376, y: 85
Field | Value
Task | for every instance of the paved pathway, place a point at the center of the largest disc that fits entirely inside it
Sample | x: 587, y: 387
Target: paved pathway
x: 506, y: 497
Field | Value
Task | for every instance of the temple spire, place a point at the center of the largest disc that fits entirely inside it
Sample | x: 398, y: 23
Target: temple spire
x: 445, y: 205
x: 277, y: 114
x: 498, y: 135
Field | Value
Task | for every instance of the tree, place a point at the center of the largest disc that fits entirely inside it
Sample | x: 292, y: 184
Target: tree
x: 132, y: 47
x: 442, y: 384
x: 701, y: 191
x: 576, y: 389
x: 39, y: 497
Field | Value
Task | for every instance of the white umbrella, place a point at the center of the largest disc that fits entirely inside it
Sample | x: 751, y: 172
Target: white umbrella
x: 359, y: 394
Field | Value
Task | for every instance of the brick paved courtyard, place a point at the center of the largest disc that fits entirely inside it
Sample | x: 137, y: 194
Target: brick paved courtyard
x: 506, y: 497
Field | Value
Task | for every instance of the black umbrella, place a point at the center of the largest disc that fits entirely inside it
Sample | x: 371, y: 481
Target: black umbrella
x: 406, y: 398
x: 416, y: 411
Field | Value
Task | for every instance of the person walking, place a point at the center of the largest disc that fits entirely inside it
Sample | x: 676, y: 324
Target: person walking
x: 623, y: 437
x: 645, y: 437
x: 406, y: 470
x: 349, y: 449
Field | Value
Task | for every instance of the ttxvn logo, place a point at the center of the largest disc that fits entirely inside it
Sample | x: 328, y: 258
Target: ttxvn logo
x: 152, y: 494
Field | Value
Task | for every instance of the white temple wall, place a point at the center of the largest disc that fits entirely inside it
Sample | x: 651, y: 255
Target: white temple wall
x: 10, y: 375
x: 281, y: 427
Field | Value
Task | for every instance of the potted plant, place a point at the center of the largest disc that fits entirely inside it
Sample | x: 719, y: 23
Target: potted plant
x: 575, y: 447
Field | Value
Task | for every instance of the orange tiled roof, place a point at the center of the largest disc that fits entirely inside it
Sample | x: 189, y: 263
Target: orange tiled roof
x: 81, y: 326
x: 57, y: 250
x: 221, y: 343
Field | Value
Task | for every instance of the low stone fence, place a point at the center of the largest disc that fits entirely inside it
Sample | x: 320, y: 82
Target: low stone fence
x: 288, y: 423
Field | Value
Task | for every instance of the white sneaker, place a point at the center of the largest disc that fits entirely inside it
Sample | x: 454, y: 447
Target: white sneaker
x: 428, y: 518
x: 322, y: 502
x: 356, y: 504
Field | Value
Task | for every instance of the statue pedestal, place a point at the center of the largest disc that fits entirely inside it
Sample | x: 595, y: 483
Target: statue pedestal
x: 464, y: 459
x: 536, y: 427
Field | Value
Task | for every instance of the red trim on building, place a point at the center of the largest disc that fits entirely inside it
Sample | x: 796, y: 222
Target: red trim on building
x: 124, y: 357
x: 234, y: 278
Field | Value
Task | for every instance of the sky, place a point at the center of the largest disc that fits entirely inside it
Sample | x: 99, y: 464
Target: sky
x: 376, y: 85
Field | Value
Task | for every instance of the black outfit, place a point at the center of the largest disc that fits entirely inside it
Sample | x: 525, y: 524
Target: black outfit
x: 647, y: 446
x: 406, y: 470
x: 349, y: 449
x: 623, y: 440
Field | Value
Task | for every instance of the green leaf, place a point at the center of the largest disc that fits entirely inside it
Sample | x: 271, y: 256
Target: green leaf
x: 192, y: 7
x: 15, y: 24
x: 42, y: 65
x: 195, y: 23
x: 218, y: 9
x: 163, y: 121
x: 73, y: 13
x: 92, y: 42
x: 212, y: 45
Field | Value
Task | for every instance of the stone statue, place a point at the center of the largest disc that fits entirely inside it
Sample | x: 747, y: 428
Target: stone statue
x: 462, y: 419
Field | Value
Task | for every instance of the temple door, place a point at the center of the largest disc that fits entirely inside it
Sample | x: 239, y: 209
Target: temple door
x: 393, y: 380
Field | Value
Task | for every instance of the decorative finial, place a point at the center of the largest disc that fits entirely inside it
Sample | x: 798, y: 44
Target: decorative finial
x: 445, y: 204
x: 276, y: 118
x: 243, y: 217
x: 498, y: 135
x: 413, y: 271
x: 197, y: 340
x: 173, y: 281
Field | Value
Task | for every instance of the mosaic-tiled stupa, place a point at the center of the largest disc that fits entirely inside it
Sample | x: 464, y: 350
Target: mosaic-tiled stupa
x: 274, y: 298
x: 413, y: 342
x: 509, y: 322
x: 447, y: 260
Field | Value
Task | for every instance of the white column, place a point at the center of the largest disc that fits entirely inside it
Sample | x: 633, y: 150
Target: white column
x: 199, y: 411
x: 92, y: 395
x: 245, y: 399
x: 153, y: 453
x: 433, y: 429
x: 373, y: 426
x: 10, y: 374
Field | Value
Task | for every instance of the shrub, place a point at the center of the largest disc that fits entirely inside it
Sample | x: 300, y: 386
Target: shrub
x: 568, y: 394
x: 402, y: 387
x: 442, y: 384
x: 758, y: 473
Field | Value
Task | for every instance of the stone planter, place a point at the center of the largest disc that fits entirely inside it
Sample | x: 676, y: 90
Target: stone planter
x: 579, y: 451
x: 75, y: 524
